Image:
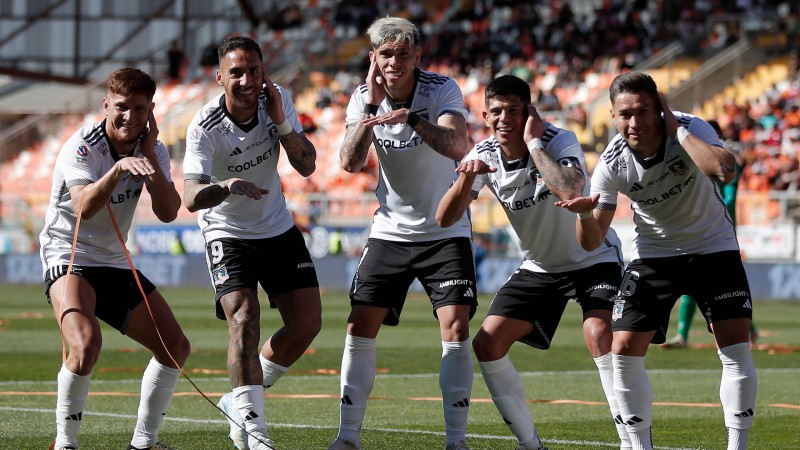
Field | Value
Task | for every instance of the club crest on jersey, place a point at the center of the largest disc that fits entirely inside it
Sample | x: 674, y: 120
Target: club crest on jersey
x: 619, y: 305
x: 536, y: 176
x: 194, y: 135
x: 491, y: 159
x: 83, y: 151
x: 678, y: 168
x: 219, y: 275
x: 273, y: 132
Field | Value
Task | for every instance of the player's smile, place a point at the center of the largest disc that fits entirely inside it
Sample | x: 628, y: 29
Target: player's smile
x: 242, y: 75
x: 127, y: 118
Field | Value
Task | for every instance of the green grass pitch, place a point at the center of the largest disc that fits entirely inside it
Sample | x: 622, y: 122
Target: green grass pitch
x: 562, y: 384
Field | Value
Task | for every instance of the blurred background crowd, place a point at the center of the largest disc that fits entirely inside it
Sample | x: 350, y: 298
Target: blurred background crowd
x: 733, y: 61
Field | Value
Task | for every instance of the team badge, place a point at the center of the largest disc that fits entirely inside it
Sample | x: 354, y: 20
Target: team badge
x: 678, y: 167
x: 490, y: 158
x: 194, y: 135
x: 220, y: 275
x: 536, y: 176
x: 83, y: 151
x: 273, y: 132
x: 619, y: 305
x: 571, y: 161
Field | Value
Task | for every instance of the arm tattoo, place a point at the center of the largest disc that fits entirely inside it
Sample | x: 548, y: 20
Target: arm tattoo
x: 565, y: 182
x: 356, y: 145
x: 441, y: 139
x: 209, y: 195
x: 301, y: 153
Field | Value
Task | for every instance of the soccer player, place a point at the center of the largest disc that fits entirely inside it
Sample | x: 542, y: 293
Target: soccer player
x: 230, y: 167
x: 525, y: 163
x: 417, y: 123
x: 108, y: 164
x: 669, y: 164
x: 687, y: 308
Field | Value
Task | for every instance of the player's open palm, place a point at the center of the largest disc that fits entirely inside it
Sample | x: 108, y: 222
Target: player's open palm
x: 534, y: 126
x: 475, y: 167
x: 149, y: 137
x: 579, y: 204
x: 238, y: 186
x: 136, y: 166
x: 375, y: 87
x: 274, y: 104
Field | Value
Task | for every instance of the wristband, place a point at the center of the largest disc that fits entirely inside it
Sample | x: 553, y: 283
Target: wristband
x: 584, y: 215
x: 681, y: 134
x: 413, y: 119
x: 534, y: 144
x: 369, y: 108
x: 284, y: 128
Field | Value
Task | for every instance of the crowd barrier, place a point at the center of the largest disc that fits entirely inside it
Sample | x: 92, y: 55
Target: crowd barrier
x: 768, y: 281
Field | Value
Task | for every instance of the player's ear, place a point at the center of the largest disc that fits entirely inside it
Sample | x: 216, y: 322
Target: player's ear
x: 219, y: 78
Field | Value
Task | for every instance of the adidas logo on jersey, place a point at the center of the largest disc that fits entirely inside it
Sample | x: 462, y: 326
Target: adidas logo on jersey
x: 636, y: 187
x: 747, y: 304
x: 236, y: 151
x: 469, y: 293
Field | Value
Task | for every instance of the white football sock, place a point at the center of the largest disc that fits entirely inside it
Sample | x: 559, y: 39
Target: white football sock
x: 272, y: 372
x: 72, y: 392
x: 737, y: 439
x: 158, y: 385
x: 455, y: 381
x: 508, y: 395
x: 249, y: 401
x: 635, y: 399
x: 737, y: 391
x: 358, y: 380
x: 605, y: 366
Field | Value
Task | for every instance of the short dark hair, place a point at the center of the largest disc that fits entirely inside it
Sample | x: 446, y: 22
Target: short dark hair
x: 130, y: 82
x: 508, y: 85
x: 633, y: 82
x: 238, y: 42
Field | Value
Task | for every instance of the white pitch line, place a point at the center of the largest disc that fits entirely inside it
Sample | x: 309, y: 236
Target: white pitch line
x: 592, y: 444
x: 290, y: 377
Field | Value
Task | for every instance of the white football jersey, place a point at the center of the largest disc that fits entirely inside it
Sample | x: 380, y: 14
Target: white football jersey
x: 677, y: 209
x: 546, y: 232
x: 413, y: 176
x: 82, y: 160
x: 217, y: 148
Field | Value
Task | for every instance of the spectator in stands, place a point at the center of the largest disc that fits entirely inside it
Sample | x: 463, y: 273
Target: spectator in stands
x: 230, y: 167
x: 524, y: 159
x: 106, y: 165
x: 685, y: 243
x: 416, y: 120
x: 209, y: 59
x: 174, y: 61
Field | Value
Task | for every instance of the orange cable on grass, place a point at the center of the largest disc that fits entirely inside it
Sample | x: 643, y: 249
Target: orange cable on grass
x: 155, y: 325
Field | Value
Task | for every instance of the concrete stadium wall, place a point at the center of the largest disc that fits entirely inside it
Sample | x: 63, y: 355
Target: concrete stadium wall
x: 778, y: 281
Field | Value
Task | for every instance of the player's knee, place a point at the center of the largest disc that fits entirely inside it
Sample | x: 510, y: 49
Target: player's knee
x: 484, y: 348
x: 305, y: 330
x: 84, y: 352
x: 181, y: 349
